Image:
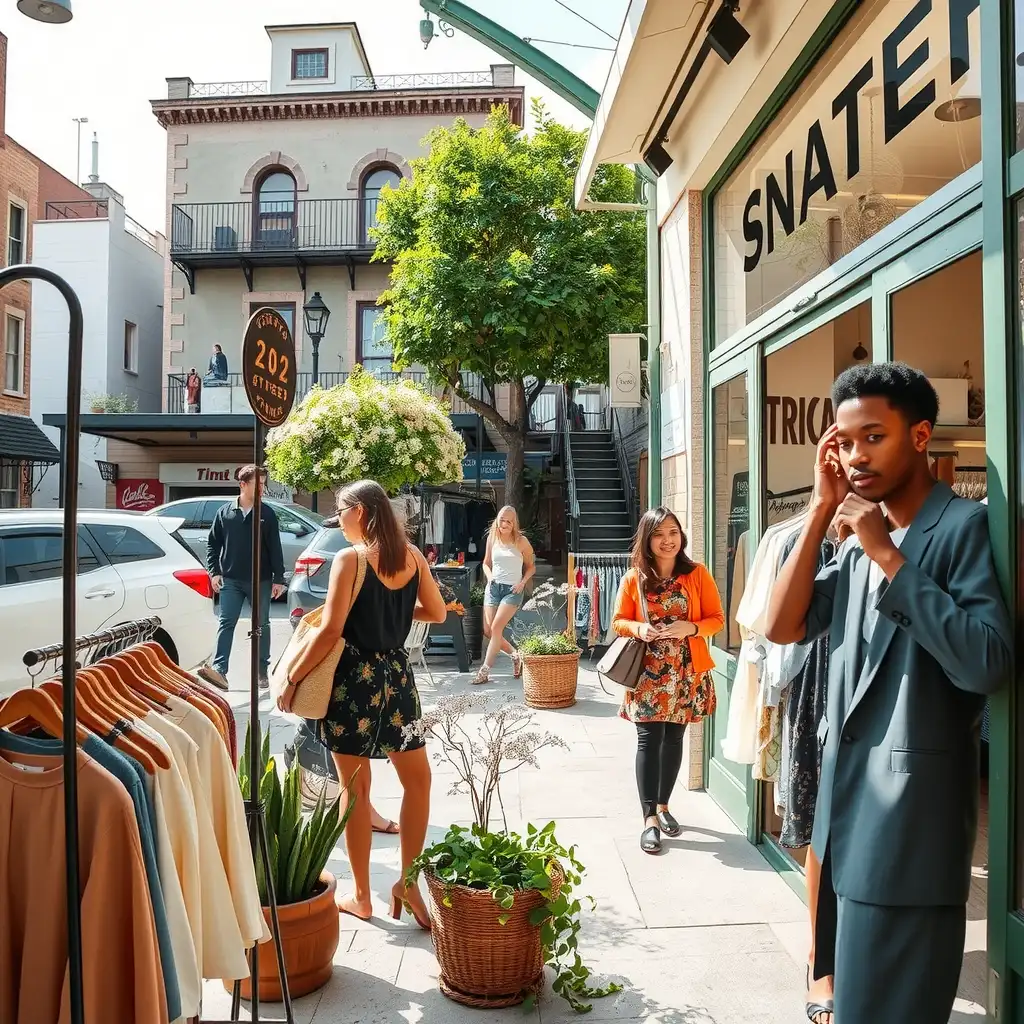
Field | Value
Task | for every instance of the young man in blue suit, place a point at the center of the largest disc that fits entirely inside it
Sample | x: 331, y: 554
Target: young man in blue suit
x: 919, y: 634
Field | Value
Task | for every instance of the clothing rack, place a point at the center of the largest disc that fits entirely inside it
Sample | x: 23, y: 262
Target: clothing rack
x: 136, y: 631
x: 585, y: 559
x: 792, y: 493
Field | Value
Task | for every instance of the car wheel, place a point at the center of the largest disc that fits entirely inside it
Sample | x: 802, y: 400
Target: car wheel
x: 167, y: 644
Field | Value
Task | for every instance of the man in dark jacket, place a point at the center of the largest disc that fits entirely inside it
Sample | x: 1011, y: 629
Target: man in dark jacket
x: 229, y: 560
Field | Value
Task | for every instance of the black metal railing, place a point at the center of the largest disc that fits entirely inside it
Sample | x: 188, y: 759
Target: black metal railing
x: 291, y: 226
x: 572, y: 504
x: 632, y: 499
x: 76, y: 209
x: 177, y: 397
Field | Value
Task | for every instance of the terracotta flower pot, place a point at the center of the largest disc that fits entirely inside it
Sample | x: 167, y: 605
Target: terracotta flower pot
x: 482, y: 962
x: 309, y: 934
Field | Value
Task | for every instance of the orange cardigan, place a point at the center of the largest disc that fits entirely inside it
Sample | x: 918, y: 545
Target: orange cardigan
x: 702, y: 600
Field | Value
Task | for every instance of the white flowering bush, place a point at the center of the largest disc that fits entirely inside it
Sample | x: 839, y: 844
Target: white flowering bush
x: 393, y: 432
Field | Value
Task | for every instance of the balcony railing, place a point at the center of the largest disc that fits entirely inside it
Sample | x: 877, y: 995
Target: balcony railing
x: 76, y: 209
x: 231, y: 397
x: 304, y: 225
x: 441, y: 80
x: 208, y: 90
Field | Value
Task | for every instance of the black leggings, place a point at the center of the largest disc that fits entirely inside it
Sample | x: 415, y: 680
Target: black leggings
x: 659, y: 756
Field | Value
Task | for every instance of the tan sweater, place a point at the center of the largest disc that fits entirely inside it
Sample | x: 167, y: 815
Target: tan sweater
x: 122, y: 980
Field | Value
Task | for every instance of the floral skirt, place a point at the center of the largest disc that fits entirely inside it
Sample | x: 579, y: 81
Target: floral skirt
x: 373, y: 700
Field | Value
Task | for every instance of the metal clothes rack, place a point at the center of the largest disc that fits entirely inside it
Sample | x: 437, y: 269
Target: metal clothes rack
x: 778, y: 495
x: 135, y: 631
x: 586, y: 559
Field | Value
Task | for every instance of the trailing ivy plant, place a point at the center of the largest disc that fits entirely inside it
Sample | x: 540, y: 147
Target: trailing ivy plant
x: 507, y: 865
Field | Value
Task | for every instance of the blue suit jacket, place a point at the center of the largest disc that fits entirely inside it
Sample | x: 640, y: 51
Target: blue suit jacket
x: 898, y: 801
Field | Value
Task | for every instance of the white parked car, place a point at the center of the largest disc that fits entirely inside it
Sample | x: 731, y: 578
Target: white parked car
x: 297, y: 524
x: 129, y: 566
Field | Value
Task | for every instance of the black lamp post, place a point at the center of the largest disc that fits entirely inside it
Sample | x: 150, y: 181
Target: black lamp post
x: 316, y: 314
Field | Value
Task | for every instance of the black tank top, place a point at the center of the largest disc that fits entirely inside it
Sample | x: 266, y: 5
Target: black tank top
x: 381, y: 618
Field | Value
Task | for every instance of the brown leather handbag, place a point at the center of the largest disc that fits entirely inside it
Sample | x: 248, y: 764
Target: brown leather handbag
x: 623, y: 662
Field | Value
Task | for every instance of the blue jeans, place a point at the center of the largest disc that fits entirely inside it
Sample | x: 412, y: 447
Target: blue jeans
x: 233, y: 595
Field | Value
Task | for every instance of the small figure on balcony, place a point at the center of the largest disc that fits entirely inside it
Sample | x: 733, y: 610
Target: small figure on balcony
x: 193, y: 389
x: 217, y: 373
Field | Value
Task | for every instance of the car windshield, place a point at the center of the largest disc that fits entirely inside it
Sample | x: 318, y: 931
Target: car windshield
x: 330, y: 541
x: 302, y: 512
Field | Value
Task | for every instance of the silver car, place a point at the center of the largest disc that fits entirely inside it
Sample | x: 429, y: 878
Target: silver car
x: 312, y: 571
x: 296, y: 523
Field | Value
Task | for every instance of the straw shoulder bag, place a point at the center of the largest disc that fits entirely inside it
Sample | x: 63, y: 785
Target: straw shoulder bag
x: 623, y: 662
x: 313, y: 691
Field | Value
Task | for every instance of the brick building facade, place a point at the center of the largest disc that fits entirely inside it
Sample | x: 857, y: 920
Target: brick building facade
x: 27, y: 184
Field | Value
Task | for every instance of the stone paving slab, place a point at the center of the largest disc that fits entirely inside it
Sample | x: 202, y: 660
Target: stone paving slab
x: 708, y: 933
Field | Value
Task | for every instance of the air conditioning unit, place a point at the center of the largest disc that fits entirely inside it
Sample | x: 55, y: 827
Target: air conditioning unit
x: 225, y: 238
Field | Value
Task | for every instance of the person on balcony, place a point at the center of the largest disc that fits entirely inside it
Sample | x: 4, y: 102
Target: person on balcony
x: 193, y: 389
x: 217, y: 373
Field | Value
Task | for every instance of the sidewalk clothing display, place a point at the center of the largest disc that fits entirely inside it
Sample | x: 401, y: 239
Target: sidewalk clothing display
x: 169, y: 884
x: 594, y: 582
x: 676, y: 684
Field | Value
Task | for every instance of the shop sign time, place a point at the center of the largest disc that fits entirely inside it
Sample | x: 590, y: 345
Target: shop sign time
x: 897, y: 67
x: 268, y: 366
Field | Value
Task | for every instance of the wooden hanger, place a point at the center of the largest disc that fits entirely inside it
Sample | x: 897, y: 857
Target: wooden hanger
x: 128, y: 743
x: 134, y: 676
x: 41, y: 708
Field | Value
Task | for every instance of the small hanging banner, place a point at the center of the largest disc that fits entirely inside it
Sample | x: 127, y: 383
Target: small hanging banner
x: 268, y: 366
x: 624, y: 370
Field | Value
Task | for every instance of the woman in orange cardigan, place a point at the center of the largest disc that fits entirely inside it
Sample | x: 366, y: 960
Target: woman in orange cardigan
x: 675, y: 687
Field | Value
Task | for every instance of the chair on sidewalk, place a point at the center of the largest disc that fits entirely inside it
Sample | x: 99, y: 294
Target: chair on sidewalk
x: 416, y: 643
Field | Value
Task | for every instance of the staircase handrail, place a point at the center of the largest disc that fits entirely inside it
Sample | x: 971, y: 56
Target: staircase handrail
x: 572, y: 504
x: 632, y: 500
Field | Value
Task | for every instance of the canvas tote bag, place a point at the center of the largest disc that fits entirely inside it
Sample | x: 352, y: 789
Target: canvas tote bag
x: 623, y: 662
x: 313, y: 691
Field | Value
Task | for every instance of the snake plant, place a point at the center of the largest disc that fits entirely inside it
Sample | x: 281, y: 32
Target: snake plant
x: 299, y: 849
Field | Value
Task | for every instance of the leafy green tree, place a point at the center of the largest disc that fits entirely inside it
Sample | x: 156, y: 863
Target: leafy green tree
x: 496, y: 273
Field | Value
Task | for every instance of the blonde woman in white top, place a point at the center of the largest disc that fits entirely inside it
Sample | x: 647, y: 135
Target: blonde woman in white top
x: 508, y: 565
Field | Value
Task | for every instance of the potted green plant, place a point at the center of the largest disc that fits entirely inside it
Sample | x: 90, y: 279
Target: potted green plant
x: 551, y: 657
x: 100, y: 402
x: 502, y: 905
x: 473, y: 621
x: 299, y: 851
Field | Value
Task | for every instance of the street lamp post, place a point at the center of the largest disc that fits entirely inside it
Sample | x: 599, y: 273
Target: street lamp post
x: 316, y: 314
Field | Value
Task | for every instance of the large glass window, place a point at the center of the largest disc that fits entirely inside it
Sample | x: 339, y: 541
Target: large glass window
x: 888, y: 115
x: 373, y: 183
x: 732, y: 550
x: 374, y: 351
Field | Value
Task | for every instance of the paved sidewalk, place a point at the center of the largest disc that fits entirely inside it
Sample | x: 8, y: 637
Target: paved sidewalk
x: 707, y: 933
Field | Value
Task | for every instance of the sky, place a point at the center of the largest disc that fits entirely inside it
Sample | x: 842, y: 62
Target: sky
x: 114, y: 56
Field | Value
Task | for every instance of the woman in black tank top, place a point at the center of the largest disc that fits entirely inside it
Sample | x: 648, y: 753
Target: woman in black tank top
x: 374, y: 696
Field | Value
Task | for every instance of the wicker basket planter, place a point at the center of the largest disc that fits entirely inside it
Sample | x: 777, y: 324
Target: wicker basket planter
x: 481, y: 962
x: 549, y: 680
x: 310, y: 932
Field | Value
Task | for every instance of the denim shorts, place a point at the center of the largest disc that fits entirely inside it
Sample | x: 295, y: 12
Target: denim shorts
x: 501, y: 593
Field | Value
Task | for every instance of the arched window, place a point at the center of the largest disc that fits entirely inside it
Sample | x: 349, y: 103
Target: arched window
x: 276, y: 208
x: 373, y: 182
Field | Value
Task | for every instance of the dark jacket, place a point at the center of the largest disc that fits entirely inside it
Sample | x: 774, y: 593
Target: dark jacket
x: 898, y: 800
x: 230, y: 545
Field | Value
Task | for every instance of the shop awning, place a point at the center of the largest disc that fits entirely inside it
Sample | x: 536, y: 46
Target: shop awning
x: 21, y: 440
x: 654, y: 35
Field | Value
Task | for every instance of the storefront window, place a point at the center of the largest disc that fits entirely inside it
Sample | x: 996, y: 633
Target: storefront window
x: 731, y: 556
x: 1018, y: 52
x: 888, y: 115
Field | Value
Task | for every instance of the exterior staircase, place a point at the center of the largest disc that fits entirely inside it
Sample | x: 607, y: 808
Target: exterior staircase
x: 604, y: 521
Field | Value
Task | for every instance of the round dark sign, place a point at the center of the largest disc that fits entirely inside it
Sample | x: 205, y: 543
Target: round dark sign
x: 268, y: 366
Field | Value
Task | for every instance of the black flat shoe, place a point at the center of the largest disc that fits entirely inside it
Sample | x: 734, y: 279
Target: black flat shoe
x: 668, y: 824
x: 650, y: 840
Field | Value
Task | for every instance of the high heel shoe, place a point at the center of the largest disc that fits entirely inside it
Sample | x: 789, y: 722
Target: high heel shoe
x: 398, y: 901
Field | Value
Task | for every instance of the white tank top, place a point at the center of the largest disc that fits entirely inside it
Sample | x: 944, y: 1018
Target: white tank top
x: 506, y: 563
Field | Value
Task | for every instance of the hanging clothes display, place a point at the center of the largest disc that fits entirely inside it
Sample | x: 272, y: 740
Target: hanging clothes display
x: 594, y: 581
x: 779, y: 692
x: 168, y: 883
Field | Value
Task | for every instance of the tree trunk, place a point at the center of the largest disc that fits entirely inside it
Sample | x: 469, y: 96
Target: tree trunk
x: 514, y: 481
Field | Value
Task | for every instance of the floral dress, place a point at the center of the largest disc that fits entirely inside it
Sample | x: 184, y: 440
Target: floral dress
x: 669, y: 689
x: 374, y: 696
